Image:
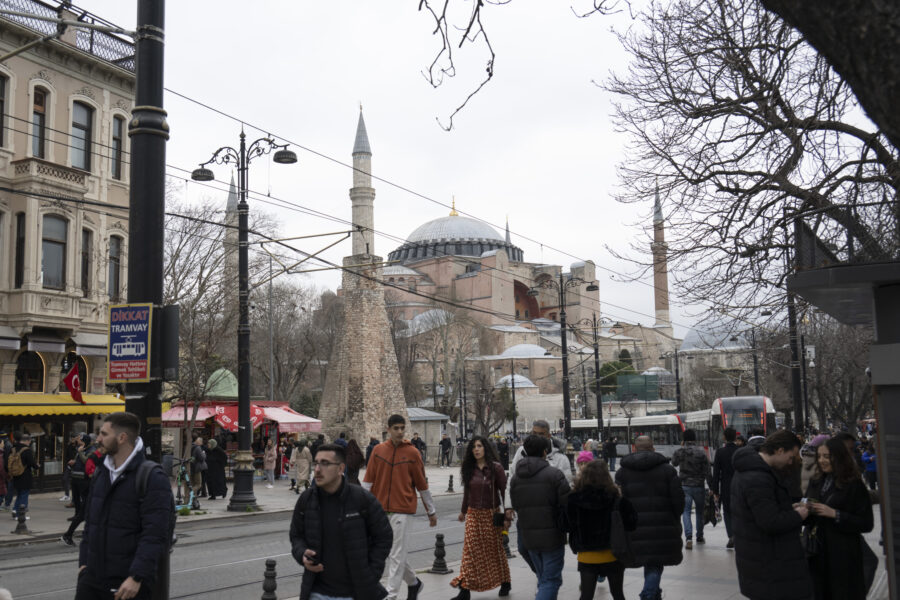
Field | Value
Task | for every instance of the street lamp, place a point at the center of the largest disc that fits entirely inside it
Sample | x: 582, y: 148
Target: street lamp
x: 242, y: 497
x: 560, y: 287
x: 677, y: 378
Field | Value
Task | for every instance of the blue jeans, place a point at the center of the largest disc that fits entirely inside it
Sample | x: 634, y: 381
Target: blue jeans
x: 652, y: 575
x: 318, y: 596
x: 612, y: 463
x: 21, y: 500
x: 696, y: 496
x: 548, y: 564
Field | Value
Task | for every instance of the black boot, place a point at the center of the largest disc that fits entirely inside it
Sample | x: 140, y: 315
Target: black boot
x: 463, y: 594
x: 504, y: 588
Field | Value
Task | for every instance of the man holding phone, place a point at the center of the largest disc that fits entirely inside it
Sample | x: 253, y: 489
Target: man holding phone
x: 340, y: 534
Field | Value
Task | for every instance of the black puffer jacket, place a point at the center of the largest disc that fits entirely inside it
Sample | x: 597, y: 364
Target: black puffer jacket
x: 124, y: 535
x: 771, y: 562
x: 23, y: 481
x: 651, y: 484
x: 588, y: 513
x: 538, y: 493
x: 367, y: 538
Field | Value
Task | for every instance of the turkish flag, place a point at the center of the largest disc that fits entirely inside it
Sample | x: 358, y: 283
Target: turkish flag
x: 73, y: 383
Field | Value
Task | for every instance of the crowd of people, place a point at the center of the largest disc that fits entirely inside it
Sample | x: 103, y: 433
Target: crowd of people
x: 794, y: 511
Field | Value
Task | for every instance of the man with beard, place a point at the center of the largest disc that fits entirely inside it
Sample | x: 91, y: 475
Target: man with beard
x: 125, y: 532
x: 771, y: 562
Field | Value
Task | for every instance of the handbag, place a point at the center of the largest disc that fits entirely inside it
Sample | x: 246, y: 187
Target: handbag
x: 810, y: 540
x: 709, y: 510
x: 619, y: 538
x: 499, y: 516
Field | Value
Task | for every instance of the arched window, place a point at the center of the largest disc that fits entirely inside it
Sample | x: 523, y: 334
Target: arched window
x: 68, y: 360
x: 82, y: 126
x: 30, y: 372
x: 53, y: 252
x: 39, y: 122
x: 115, y: 268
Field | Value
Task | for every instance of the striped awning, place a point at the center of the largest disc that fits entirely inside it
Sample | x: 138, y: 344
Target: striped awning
x: 24, y: 404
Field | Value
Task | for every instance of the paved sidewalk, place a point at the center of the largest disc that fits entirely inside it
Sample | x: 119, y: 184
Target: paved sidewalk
x: 49, y: 515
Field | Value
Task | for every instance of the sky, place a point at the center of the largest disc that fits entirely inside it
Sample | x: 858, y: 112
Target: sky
x: 537, y: 145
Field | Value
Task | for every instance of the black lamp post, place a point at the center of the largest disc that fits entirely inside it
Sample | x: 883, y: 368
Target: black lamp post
x: 242, y: 497
x: 561, y: 290
x: 594, y: 322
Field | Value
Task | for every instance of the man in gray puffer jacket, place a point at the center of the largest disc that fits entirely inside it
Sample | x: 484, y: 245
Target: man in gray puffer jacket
x: 538, y: 493
x: 693, y: 470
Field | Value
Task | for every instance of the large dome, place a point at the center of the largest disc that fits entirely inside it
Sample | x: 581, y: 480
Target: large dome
x: 453, y: 228
x: 453, y: 236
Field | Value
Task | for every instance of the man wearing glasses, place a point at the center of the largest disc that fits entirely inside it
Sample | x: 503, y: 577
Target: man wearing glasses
x: 394, y: 473
x: 340, y: 534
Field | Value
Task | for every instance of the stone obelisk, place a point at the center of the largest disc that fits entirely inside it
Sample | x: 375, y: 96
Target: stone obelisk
x: 362, y: 386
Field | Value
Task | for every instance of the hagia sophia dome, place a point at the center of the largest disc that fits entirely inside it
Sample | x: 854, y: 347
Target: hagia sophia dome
x: 453, y: 236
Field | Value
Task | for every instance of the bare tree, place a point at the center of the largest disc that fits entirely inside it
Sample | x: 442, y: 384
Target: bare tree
x: 739, y: 125
x: 488, y: 408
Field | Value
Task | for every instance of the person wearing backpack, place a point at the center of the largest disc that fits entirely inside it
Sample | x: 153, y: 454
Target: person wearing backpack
x: 19, y: 465
x: 127, y: 523
x: 84, y: 455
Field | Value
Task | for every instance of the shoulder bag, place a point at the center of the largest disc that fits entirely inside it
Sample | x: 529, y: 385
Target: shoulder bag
x: 619, y: 538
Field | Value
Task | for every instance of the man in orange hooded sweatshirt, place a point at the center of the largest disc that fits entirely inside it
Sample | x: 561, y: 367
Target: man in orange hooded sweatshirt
x: 394, y: 473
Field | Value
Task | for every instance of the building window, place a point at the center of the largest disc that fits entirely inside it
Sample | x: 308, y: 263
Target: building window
x: 20, y: 250
x: 87, y: 246
x: 115, y: 268
x: 30, y: 372
x: 39, y: 123
x: 82, y: 122
x: 118, y: 127
x: 3, y: 87
x: 53, y: 253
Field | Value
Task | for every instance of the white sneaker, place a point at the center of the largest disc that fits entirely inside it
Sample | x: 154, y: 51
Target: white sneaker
x: 64, y: 499
x: 269, y: 485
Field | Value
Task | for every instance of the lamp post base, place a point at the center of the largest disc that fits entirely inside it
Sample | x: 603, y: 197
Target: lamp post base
x: 242, y: 498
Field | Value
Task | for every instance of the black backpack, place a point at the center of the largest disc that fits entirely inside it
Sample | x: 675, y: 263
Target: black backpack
x: 141, y: 478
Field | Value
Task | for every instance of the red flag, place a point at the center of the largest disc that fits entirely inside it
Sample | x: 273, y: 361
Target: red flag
x: 73, y: 383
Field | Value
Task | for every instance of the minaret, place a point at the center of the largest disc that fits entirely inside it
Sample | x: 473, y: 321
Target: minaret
x: 508, y: 239
x: 660, y: 268
x: 362, y: 384
x: 231, y: 236
x: 362, y: 194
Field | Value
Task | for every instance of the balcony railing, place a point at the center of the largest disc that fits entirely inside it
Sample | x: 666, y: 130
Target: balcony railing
x: 114, y: 49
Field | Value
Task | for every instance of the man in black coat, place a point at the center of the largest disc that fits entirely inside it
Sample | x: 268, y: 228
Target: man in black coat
x: 339, y: 534
x: 125, y: 535
x: 538, y: 492
x: 771, y: 562
x: 723, y: 471
x: 652, y: 486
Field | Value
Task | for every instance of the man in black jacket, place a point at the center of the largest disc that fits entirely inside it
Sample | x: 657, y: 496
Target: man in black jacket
x: 652, y: 486
x: 771, y: 562
x: 23, y: 481
x: 538, y: 493
x: 723, y: 471
x: 125, y: 535
x: 340, y: 534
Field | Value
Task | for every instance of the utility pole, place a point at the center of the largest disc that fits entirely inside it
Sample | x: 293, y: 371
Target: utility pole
x: 149, y: 132
x: 512, y: 379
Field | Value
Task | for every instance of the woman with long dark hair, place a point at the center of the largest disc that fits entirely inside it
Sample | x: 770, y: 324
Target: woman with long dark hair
x: 355, y: 461
x: 840, y: 512
x: 484, y: 565
x: 589, y: 515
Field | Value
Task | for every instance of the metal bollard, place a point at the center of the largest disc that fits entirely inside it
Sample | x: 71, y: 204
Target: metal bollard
x: 21, y: 526
x: 269, y: 583
x: 439, y: 567
x: 450, y: 486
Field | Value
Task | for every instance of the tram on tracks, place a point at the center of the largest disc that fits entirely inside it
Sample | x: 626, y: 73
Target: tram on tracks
x: 740, y: 412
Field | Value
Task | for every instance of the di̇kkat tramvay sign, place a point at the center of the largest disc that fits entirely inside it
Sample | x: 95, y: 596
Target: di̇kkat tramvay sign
x: 129, y: 343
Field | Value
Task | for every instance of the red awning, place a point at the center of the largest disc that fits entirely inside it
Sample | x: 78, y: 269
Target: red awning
x: 290, y: 421
x: 175, y: 416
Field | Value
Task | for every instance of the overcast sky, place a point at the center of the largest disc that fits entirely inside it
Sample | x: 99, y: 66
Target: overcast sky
x: 536, y: 144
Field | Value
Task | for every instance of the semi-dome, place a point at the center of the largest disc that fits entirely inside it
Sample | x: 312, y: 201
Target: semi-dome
x: 521, y: 382
x: 453, y: 236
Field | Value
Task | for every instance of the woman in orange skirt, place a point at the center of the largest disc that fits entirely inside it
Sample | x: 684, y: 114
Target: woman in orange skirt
x: 484, y: 565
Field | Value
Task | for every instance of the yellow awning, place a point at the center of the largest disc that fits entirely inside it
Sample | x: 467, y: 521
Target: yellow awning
x: 23, y: 404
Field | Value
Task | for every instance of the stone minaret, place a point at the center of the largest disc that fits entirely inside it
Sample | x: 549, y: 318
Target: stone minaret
x: 362, y: 194
x: 660, y: 268
x: 231, y: 238
x: 362, y: 386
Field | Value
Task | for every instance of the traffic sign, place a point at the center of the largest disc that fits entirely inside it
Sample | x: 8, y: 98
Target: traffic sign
x: 129, y: 343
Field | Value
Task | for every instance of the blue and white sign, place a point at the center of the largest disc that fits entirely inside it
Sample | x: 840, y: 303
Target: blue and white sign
x: 129, y: 343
